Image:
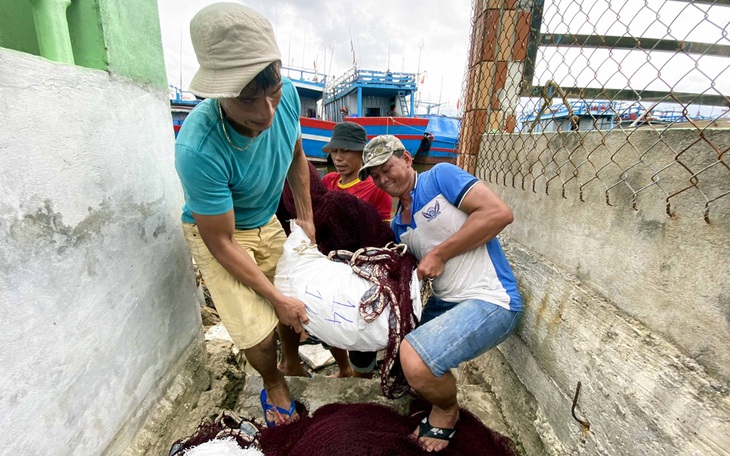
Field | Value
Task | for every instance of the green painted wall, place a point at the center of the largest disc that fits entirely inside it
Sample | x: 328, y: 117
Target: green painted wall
x: 17, y: 29
x: 87, y: 36
x: 122, y: 37
x: 134, y: 43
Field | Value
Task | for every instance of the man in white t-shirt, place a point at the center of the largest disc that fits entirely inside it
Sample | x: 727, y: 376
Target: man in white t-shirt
x: 449, y: 220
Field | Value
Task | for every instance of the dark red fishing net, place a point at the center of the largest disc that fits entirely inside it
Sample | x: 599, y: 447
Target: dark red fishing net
x: 344, y: 222
x: 376, y: 430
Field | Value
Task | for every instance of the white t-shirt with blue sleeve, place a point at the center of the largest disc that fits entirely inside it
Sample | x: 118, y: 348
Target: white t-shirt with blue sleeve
x: 216, y: 177
x: 483, y: 273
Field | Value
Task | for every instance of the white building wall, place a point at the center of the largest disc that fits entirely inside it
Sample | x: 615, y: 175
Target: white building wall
x: 97, y: 292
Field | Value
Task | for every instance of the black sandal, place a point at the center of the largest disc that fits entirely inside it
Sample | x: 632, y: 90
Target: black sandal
x: 426, y: 430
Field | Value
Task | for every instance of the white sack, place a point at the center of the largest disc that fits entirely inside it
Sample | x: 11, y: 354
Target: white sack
x: 222, y: 447
x: 331, y: 292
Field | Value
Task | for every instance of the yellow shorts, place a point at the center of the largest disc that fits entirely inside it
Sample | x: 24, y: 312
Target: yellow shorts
x: 247, y: 316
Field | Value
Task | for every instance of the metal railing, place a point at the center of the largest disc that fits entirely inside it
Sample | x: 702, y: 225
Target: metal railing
x: 357, y: 76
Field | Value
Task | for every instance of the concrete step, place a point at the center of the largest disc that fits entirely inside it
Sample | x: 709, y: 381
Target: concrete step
x: 222, y: 380
x: 319, y: 390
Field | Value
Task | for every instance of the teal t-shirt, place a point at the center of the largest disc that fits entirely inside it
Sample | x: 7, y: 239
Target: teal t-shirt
x: 216, y: 177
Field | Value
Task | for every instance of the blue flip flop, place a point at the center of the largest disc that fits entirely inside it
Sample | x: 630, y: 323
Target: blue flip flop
x: 280, y: 412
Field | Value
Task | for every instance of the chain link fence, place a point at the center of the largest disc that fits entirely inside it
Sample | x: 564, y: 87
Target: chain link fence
x: 615, y: 100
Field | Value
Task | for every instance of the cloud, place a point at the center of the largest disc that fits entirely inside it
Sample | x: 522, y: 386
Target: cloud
x: 316, y: 30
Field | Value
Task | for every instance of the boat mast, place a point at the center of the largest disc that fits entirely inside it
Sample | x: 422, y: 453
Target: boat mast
x: 304, y: 46
x: 352, y: 49
x: 403, y: 57
x: 388, y: 68
x: 418, y: 72
x: 180, y: 87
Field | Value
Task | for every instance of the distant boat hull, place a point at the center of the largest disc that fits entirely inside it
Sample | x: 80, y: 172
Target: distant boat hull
x: 409, y: 130
x: 440, y: 152
x: 445, y: 139
x: 180, y: 110
x: 315, y: 134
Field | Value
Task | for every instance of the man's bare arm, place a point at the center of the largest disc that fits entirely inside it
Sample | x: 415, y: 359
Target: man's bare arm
x: 298, y: 177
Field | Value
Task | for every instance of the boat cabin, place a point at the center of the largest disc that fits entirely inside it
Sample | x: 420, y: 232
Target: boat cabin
x: 310, y: 87
x: 369, y: 93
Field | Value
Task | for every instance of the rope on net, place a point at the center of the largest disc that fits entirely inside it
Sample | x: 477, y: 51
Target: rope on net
x: 390, y: 270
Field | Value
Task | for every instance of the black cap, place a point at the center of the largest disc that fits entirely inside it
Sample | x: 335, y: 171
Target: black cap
x: 347, y: 135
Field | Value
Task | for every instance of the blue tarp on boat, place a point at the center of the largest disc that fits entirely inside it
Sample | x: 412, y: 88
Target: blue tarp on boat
x: 443, y: 128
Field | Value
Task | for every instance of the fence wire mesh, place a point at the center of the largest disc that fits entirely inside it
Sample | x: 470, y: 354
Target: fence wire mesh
x: 602, y: 99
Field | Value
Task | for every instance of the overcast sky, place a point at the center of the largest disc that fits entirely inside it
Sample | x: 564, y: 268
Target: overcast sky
x: 306, y: 30
x: 310, y: 31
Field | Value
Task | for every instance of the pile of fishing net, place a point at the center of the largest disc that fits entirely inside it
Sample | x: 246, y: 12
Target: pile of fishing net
x: 376, y: 430
x: 340, y: 429
x: 346, y: 225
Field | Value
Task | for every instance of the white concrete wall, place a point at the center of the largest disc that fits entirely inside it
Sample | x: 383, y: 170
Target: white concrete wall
x: 97, y: 291
x: 632, y: 303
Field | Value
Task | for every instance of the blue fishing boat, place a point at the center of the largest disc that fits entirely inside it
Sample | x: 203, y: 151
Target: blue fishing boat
x: 442, y: 141
x: 181, y: 103
x: 578, y: 115
x: 383, y: 103
x: 316, y: 132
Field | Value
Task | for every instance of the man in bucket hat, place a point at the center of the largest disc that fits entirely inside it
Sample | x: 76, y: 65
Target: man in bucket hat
x: 232, y: 154
x: 449, y: 220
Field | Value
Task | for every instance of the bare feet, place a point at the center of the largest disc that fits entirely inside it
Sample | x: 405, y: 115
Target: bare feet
x: 293, y: 370
x: 343, y: 372
x: 362, y: 374
x: 438, y: 418
x: 343, y: 363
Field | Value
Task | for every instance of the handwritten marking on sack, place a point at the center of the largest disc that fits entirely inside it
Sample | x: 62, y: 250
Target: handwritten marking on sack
x: 310, y: 310
x: 345, y: 304
x: 318, y: 295
x: 335, y: 320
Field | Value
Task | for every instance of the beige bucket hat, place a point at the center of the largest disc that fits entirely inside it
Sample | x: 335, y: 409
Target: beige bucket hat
x: 233, y: 44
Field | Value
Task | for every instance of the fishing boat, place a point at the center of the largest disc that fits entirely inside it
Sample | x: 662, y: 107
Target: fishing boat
x: 316, y: 132
x: 383, y: 103
x: 181, y: 103
x: 578, y: 115
x: 442, y: 141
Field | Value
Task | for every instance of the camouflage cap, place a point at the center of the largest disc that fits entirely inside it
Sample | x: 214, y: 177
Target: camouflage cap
x: 378, y: 151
